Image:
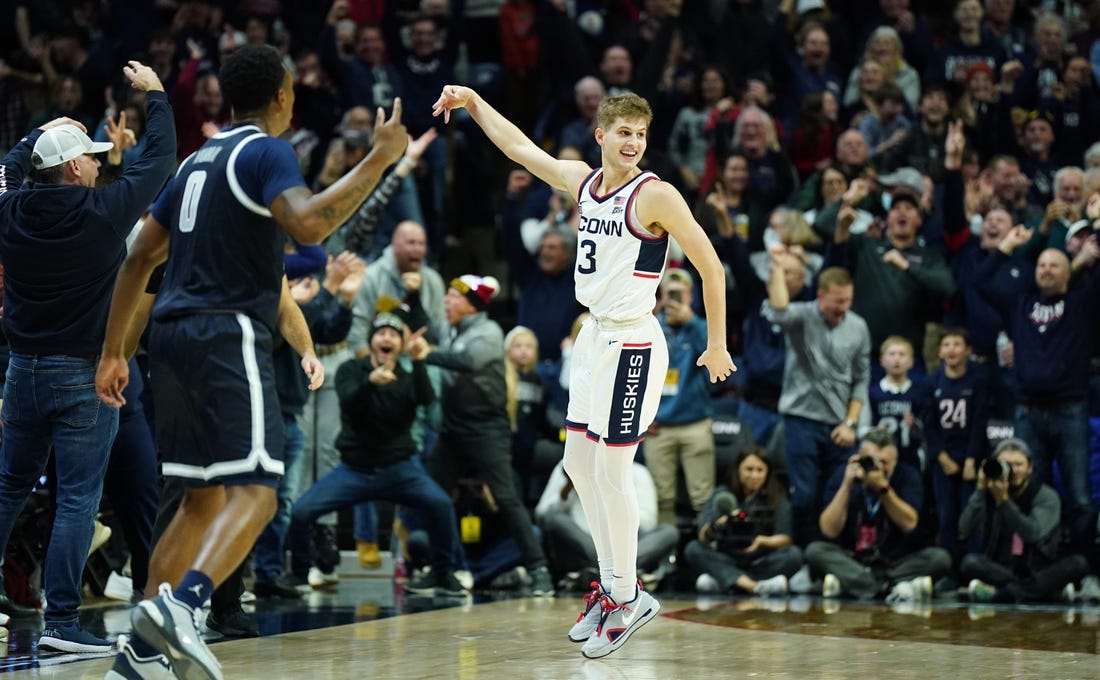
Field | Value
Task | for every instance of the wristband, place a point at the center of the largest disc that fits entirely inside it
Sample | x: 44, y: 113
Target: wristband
x: 406, y: 162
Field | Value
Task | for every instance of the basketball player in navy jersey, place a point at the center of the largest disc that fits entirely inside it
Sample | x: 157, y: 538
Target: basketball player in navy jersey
x: 620, y: 358
x: 221, y: 225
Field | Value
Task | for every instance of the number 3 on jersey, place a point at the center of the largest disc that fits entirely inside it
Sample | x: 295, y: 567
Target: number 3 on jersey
x: 189, y: 210
x: 586, y: 257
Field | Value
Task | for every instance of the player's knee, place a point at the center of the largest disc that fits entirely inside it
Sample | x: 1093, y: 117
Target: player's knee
x: 202, y: 505
x: 267, y: 503
x: 574, y: 465
x: 258, y: 501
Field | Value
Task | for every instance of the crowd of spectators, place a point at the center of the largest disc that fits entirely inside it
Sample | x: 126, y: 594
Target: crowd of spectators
x: 871, y: 172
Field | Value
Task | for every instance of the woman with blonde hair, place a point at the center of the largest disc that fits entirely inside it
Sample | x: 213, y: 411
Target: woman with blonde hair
x: 884, y: 47
x: 525, y: 398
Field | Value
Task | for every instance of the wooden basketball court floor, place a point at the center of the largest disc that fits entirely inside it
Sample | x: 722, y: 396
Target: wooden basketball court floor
x: 366, y: 629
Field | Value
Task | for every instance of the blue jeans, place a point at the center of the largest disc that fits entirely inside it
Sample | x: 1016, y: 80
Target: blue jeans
x: 366, y: 522
x: 812, y: 458
x: 761, y: 420
x: 1061, y: 434
x: 405, y: 483
x: 51, y: 400
x: 268, y: 553
x: 951, y: 496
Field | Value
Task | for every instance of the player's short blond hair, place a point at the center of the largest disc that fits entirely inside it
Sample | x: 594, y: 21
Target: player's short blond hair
x: 628, y: 106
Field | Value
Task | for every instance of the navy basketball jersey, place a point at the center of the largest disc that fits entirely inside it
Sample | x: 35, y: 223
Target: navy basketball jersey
x: 226, y: 252
x: 956, y: 412
x: 889, y: 405
x: 619, y: 262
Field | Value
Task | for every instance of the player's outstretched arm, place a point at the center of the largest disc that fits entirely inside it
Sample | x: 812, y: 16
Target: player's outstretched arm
x: 295, y: 330
x: 149, y: 250
x: 563, y: 175
x: 309, y: 218
x: 660, y: 204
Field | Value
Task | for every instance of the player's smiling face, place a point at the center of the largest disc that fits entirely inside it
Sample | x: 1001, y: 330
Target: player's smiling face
x: 623, y: 142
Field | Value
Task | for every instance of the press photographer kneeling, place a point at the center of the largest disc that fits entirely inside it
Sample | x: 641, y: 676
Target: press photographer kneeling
x: 1018, y: 519
x: 870, y: 521
x: 745, y: 531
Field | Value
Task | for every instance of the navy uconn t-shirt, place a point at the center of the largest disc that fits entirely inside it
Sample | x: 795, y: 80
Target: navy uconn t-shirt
x: 226, y: 251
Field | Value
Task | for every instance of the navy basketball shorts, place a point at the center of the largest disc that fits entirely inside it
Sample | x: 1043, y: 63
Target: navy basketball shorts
x: 218, y: 420
x: 616, y: 375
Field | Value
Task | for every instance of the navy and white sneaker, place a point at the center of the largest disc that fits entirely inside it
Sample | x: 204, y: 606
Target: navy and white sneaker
x: 619, y: 622
x: 71, y: 638
x: 130, y: 666
x: 590, y: 617
x: 170, y: 627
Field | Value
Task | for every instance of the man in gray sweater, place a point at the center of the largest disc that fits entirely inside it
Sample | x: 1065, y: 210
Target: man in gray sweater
x: 825, y: 380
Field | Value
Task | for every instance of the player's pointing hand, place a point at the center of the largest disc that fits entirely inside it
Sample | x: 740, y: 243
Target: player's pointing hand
x: 453, y: 97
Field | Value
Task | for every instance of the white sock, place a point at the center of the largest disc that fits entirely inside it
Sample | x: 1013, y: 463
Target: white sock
x: 615, y: 482
x: 580, y: 464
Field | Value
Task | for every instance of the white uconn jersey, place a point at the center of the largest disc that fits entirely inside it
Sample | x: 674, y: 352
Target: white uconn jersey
x: 619, y: 262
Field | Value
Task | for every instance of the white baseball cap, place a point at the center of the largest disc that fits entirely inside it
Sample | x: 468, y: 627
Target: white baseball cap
x: 1076, y: 227
x: 64, y: 143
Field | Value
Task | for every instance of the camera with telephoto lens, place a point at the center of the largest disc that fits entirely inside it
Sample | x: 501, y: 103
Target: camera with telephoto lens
x: 868, y: 463
x: 735, y: 534
x: 995, y: 468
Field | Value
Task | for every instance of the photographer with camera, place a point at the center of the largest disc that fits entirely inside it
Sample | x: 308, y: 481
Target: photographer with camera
x: 746, y: 543
x: 1018, y: 521
x: 869, y: 523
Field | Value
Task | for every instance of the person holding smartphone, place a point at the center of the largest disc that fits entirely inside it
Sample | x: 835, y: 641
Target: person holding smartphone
x: 681, y: 433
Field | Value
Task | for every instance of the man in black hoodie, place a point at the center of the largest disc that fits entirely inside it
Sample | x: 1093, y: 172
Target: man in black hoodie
x: 62, y: 242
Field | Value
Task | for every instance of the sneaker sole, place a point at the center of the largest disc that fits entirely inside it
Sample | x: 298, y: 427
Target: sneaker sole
x: 132, y: 673
x: 418, y: 591
x: 625, y: 636
x: 164, y: 639
x: 72, y: 647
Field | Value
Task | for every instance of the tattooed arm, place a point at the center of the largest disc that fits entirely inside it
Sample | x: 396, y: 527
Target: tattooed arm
x: 309, y: 218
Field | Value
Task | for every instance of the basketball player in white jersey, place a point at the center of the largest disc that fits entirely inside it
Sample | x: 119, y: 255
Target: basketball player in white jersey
x: 620, y: 357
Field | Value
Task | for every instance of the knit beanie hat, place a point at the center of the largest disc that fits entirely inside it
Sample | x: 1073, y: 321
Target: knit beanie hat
x: 478, y: 290
x: 387, y: 320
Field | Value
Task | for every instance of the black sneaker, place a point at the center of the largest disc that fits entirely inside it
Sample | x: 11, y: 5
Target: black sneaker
x: 280, y: 588
x: 448, y: 586
x: 541, y: 585
x: 233, y: 623
x: 513, y: 579
x: 71, y: 638
x: 421, y: 583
